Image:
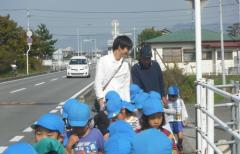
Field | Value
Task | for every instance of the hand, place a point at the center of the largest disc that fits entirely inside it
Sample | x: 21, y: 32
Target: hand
x: 72, y: 140
x: 165, y: 102
x: 102, y: 104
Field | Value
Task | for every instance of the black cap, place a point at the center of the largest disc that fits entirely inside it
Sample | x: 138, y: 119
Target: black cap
x: 146, y: 51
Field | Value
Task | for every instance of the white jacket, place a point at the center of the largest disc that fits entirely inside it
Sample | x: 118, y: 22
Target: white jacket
x: 180, y: 111
x: 106, y: 67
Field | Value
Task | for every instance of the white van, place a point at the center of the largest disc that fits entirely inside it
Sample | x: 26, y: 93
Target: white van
x: 78, y: 67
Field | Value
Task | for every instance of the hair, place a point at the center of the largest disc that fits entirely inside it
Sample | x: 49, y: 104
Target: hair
x: 144, y: 120
x: 122, y: 41
x: 129, y: 113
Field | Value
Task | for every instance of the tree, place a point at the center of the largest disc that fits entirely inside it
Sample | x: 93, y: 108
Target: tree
x: 234, y: 30
x: 45, y: 42
x: 150, y: 33
x: 12, y: 43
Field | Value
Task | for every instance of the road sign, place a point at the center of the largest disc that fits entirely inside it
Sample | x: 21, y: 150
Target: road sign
x: 29, y: 41
x: 29, y: 33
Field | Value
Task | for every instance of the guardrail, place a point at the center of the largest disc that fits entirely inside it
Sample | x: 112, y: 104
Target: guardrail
x: 205, y: 117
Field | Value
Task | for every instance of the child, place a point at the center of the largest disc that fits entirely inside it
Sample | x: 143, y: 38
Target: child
x: 83, y: 139
x: 153, y: 117
x: 49, y: 146
x: 49, y: 125
x: 176, y: 121
x: 138, y: 102
x: 120, y: 141
x: 134, y: 90
x: 131, y: 117
x: 20, y: 148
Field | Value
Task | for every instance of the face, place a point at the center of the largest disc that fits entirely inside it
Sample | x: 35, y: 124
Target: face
x: 172, y: 98
x: 41, y: 133
x: 155, y: 120
x: 124, y: 52
x: 145, y: 62
x: 80, y: 131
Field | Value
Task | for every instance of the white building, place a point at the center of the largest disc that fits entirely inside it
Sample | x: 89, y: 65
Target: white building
x: 179, y: 48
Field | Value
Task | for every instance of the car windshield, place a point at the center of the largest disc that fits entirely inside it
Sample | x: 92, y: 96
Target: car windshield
x: 78, y: 61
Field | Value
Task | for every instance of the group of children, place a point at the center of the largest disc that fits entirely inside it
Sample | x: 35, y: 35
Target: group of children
x: 136, y: 127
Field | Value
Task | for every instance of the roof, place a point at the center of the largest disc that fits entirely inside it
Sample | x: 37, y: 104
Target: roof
x: 79, y: 57
x: 188, y: 35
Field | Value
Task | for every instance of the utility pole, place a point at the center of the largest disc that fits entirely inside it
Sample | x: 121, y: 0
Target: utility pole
x: 222, y: 44
x: 29, y: 38
x: 78, y: 40
x: 134, y: 43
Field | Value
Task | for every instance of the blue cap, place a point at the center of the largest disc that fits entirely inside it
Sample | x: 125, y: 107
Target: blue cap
x: 158, y: 142
x: 121, y: 127
x: 51, y: 122
x: 120, y: 138
x: 20, y: 148
x: 173, y: 90
x: 79, y: 115
x: 67, y: 106
x: 134, y: 90
x: 151, y: 106
x: 114, y: 107
x: 154, y: 94
x: 140, y: 99
x: 112, y: 95
x: 129, y: 106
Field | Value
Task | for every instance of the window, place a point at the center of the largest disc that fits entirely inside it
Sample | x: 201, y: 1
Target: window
x: 171, y: 55
x: 189, y: 55
x: 207, y: 55
x: 78, y: 61
x: 227, y: 55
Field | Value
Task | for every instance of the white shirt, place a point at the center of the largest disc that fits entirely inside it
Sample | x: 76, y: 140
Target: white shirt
x: 180, y: 111
x: 106, y: 67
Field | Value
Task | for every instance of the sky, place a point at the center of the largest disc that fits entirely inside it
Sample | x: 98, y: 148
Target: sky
x: 92, y: 18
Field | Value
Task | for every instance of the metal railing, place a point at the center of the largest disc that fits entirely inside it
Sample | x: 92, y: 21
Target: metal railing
x: 205, y: 117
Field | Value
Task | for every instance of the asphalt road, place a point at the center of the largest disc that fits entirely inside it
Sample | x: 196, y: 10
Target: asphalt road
x: 23, y: 101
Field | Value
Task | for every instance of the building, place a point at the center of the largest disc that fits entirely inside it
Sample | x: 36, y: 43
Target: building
x: 179, y: 48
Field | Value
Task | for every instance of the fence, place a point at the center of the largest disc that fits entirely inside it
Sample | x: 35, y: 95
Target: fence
x: 206, y: 118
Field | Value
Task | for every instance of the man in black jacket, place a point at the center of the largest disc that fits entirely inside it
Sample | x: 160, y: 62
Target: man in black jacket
x: 147, y: 73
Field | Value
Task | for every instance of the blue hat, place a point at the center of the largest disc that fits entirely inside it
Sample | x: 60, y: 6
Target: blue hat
x: 140, y: 99
x: 120, y: 138
x: 51, y: 122
x: 67, y: 105
x: 79, y: 115
x: 129, y: 106
x: 121, y: 127
x: 20, y: 148
x: 152, y: 141
x: 114, y: 107
x: 112, y: 95
x: 134, y: 90
x: 173, y: 90
x: 151, y: 106
x: 154, y: 94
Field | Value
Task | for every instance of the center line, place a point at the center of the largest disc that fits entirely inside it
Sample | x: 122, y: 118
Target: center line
x: 16, y: 138
x: 39, y: 83
x: 17, y: 90
x: 54, y: 79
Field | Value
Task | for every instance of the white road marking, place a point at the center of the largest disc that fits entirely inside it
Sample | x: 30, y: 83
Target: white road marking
x: 58, y: 107
x: 16, y: 138
x: 17, y: 90
x: 39, y: 83
x: 27, y: 130
x: 62, y: 103
x: 54, y: 79
x: 53, y: 111
x: 2, y: 148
